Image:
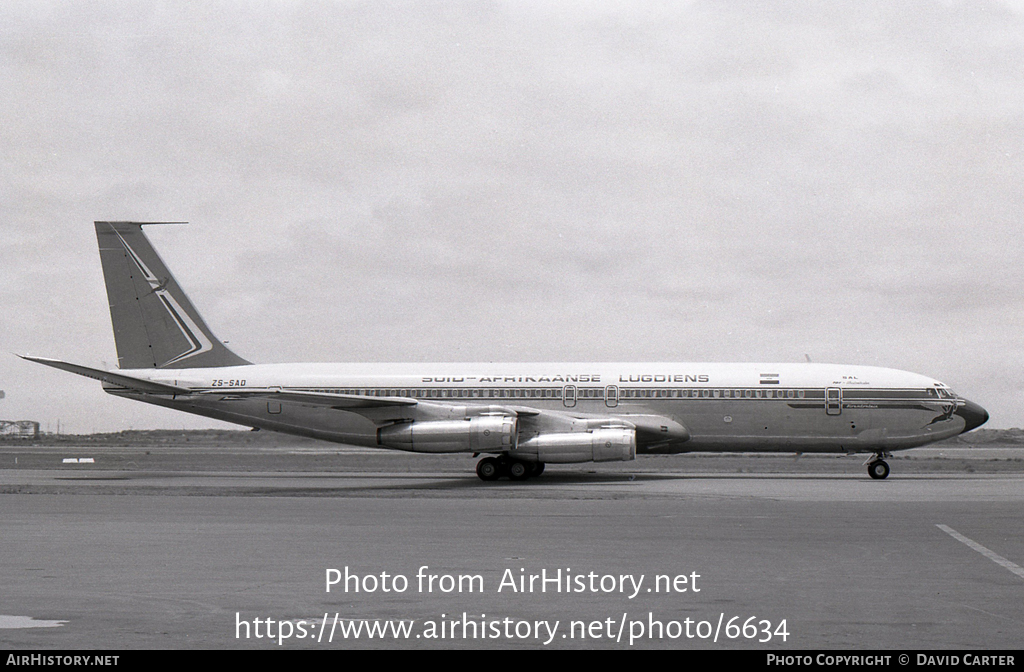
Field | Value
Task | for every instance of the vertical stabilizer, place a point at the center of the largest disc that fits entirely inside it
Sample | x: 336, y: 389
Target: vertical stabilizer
x: 155, y: 325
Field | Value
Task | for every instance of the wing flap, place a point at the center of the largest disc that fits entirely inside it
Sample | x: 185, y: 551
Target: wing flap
x: 325, y: 399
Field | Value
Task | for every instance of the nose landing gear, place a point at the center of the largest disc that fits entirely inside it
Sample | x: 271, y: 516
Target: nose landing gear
x: 493, y: 468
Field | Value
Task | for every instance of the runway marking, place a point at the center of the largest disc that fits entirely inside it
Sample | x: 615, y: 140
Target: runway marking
x: 17, y: 622
x: 991, y: 555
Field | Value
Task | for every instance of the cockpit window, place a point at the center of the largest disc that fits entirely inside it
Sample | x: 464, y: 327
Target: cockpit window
x: 946, y: 393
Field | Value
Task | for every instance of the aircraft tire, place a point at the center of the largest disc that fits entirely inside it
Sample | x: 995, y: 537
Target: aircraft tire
x: 519, y: 471
x: 488, y: 469
x: 878, y: 469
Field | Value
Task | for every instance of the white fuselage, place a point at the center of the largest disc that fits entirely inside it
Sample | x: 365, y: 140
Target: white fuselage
x: 723, y: 407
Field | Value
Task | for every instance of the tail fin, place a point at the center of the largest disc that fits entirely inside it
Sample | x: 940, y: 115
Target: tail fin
x: 155, y: 325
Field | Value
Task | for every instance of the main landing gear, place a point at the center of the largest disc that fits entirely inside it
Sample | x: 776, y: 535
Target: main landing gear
x: 493, y: 468
x: 877, y: 467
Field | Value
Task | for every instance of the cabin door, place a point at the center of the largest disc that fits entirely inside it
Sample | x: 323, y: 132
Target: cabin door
x: 611, y: 396
x: 833, y: 401
x: 569, y: 396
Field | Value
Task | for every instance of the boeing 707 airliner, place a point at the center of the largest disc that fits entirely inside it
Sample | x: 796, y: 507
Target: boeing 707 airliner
x: 520, y: 416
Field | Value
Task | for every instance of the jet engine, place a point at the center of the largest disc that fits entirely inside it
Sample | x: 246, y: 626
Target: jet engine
x: 480, y: 434
x: 597, y: 445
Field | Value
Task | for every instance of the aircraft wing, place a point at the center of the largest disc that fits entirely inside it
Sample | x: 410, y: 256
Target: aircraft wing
x: 345, y: 402
x: 110, y: 377
x: 651, y: 429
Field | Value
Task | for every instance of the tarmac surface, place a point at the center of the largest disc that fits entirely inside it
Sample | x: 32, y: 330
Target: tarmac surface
x: 129, y: 552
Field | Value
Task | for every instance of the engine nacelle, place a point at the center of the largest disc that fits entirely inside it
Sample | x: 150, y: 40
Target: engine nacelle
x: 481, y: 434
x: 598, y: 445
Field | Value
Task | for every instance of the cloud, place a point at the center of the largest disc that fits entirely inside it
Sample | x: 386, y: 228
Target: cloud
x: 375, y: 181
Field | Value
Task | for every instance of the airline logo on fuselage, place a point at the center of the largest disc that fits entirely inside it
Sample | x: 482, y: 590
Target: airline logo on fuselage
x: 665, y: 378
x: 569, y: 378
x: 575, y: 378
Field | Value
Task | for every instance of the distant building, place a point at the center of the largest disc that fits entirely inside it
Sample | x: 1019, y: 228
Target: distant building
x: 22, y: 429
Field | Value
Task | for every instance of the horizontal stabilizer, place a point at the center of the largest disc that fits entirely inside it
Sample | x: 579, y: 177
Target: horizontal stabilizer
x: 109, y: 377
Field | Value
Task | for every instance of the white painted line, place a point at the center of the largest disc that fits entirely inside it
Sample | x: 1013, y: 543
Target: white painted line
x: 12, y: 622
x: 70, y: 460
x: 991, y: 555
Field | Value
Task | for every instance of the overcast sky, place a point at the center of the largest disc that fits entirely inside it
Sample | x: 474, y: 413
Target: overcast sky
x: 517, y: 181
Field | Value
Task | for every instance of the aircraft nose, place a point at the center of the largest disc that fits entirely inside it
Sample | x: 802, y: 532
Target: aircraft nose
x: 973, y: 415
